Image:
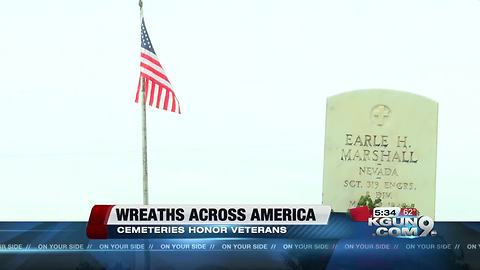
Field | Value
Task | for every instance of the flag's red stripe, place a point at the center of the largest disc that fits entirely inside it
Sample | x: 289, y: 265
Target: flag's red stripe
x: 159, y: 96
x: 152, y: 94
x: 155, y: 81
x: 138, y: 90
x: 147, y: 85
x: 174, y: 105
x: 150, y: 84
x: 151, y: 59
x: 155, y: 71
x: 167, y: 97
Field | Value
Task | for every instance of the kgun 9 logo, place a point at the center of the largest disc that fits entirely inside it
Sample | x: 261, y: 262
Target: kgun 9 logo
x: 410, y: 227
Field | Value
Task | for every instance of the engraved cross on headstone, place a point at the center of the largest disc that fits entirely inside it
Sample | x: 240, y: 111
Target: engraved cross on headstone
x: 380, y: 114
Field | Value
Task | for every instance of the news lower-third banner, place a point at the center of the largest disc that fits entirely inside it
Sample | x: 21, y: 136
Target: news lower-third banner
x: 241, y: 237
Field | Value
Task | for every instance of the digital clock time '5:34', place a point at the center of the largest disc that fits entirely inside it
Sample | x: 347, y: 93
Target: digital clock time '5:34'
x: 394, y: 212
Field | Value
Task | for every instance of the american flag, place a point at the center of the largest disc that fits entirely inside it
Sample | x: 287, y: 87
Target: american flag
x: 158, y: 90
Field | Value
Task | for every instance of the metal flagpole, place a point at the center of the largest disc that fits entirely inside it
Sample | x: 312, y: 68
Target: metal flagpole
x: 144, y: 130
x: 144, y: 146
x: 146, y: 262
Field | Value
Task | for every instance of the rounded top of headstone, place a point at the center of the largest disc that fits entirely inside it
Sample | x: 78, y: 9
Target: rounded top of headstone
x: 381, y: 92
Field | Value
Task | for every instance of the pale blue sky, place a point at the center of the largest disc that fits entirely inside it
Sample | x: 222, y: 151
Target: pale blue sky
x: 252, y: 78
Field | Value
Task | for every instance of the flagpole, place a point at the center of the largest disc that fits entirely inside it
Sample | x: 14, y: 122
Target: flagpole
x: 144, y: 130
x: 146, y: 262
